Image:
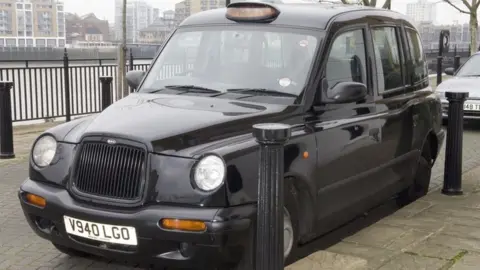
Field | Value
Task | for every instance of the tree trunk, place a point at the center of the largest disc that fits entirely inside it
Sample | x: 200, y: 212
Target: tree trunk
x: 122, y: 90
x: 473, y: 32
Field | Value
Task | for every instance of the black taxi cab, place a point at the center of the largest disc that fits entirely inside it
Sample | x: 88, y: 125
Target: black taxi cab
x: 168, y: 174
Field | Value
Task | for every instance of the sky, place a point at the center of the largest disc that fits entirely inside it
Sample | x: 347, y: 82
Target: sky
x: 105, y: 9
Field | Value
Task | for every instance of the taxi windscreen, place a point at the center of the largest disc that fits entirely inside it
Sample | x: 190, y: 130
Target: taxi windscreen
x: 221, y: 58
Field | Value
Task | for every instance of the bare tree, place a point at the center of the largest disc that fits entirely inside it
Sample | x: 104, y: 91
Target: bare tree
x: 471, y: 10
x: 370, y: 3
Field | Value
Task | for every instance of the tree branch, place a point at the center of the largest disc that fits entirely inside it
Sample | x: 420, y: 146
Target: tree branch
x: 366, y: 2
x: 465, y: 2
x: 476, y: 6
x: 457, y: 8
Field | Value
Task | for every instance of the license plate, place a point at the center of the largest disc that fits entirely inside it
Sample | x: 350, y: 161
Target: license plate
x: 471, y: 107
x: 101, y: 232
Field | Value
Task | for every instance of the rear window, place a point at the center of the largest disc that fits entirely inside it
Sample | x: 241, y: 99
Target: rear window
x: 419, y: 66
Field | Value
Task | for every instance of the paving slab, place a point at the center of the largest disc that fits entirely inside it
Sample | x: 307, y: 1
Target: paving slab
x: 375, y: 257
x: 329, y: 261
x: 455, y: 242
x: 413, y: 262
x: 470, y: 261
x: 387, y: 237
x: 432, y: 250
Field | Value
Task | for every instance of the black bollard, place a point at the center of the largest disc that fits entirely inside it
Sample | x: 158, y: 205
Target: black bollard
x: 106, y: 91
x: 456, y: 62
x: 270, y: 213
x: 66, y: 75
x: 6, y: 125
x: 131, y: 60
x: 452, y: 182
x: 456, y: 59
x: 439, y: 69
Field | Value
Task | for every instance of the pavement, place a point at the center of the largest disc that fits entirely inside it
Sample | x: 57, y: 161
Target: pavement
x: 435, y: 232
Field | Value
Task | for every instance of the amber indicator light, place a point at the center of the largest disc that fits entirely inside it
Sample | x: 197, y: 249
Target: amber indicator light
x: 183, y: 225
x: 36, y: 200
x: 305, y: 155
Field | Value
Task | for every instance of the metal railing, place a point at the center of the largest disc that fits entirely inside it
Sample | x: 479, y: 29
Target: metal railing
x: 41, y: 92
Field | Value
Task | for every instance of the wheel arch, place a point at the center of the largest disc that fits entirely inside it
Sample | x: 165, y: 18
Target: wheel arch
x: 304, y: 204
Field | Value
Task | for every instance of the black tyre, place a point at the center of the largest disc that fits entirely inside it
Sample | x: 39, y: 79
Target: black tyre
x: 290, y: 230
x: 72, y: 252
x: 421, y: 181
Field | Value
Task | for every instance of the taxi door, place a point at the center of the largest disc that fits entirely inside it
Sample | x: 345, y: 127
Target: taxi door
x: 349, y: 135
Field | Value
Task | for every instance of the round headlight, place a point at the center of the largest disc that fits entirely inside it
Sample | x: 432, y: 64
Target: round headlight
x: 209, y: 173
x: 44, y: 151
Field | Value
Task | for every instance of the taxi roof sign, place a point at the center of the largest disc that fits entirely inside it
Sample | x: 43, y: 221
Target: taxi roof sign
x: 252, y: 11
x: 278, y: 1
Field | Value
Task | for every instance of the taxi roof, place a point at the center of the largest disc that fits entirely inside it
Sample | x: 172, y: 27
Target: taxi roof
x: 295, y: 13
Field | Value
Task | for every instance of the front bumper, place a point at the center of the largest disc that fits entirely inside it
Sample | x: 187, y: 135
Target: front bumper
x: 224, y: 241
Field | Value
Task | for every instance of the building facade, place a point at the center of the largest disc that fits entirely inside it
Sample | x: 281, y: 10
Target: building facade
x: 422, y: 11
x: 32, y: 23
x: 155, y: 33
x: 169, y: 19
x: 86, y: 28
x: 158, y: 31
x: 186, y: 8
x: 139, y: 15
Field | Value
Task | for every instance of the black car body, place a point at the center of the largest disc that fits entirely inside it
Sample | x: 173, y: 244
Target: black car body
x: 465, y: 79
x: 176, y: 163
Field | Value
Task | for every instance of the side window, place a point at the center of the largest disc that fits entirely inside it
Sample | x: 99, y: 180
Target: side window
x: 387, y: 57
x: 419, y: 69
x: 346, y: 62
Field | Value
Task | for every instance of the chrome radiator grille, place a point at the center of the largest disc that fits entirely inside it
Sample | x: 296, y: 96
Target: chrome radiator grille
x: 112, y: 171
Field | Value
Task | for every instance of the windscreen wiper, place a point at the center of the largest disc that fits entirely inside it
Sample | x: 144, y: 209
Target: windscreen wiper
x: 193, y: 88
x: 186, y: 88
x: 261, y: 91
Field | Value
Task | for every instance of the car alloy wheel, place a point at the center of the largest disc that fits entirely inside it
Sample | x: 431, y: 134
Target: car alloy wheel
x: 288, y: 234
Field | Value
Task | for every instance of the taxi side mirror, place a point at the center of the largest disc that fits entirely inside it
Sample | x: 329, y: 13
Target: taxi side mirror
x: 134, y: 78
x: 449, y: 71
x: 346, y: 92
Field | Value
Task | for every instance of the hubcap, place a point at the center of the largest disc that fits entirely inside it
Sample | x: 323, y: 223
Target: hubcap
x: 287, y: 234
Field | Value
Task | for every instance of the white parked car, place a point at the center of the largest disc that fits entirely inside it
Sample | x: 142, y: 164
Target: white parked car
x: 465, y: 79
